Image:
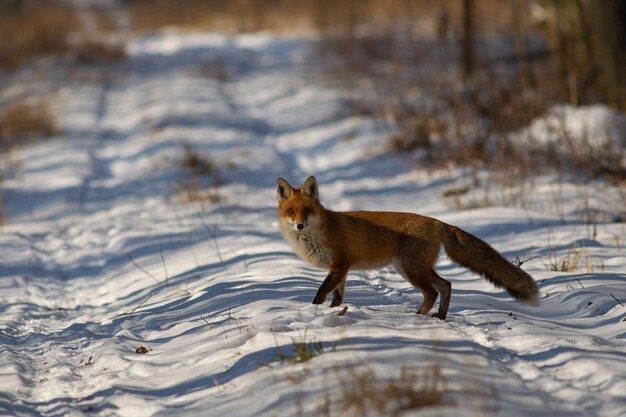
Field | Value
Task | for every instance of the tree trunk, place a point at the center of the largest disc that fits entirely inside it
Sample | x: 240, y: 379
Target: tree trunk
x: 468, y: 57
x: 521, y: 42
x: 607, y: 23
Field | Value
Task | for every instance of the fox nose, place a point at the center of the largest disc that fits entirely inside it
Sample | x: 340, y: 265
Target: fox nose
x: 300, y: 226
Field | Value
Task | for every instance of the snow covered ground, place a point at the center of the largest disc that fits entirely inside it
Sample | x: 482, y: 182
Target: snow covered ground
x: 101, y: 257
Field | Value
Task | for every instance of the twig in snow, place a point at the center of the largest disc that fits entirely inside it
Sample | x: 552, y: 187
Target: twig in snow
x: 189, y: 238
x: 212, y: 234
x: 208, y: 324
x: 129, y: 312
x: 130, y: 258
x: 229, y: 315
x: 518, y: 262
x: 615, y: 298
x: 245, y: 256
x: 164, y: 268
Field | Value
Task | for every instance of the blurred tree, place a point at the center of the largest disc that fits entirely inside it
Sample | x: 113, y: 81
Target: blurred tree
x: 521, y: 40
x: 468, y: 56
x: 11, y: 5
x: 608, y: 27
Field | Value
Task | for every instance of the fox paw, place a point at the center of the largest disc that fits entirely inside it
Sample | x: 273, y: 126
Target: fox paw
x: 319, y: 299
x: 336, y: 303
x: 439, y: 316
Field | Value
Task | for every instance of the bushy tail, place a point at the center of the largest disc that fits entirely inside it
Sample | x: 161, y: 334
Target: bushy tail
x: 476, y: 255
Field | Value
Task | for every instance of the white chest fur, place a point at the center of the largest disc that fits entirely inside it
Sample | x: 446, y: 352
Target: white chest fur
x: 308, y: 244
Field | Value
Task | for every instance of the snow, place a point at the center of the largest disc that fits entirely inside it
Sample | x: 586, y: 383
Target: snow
x: 100, y: 256
x: 587, y: 128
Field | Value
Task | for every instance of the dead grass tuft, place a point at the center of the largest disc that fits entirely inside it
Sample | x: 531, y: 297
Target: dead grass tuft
x: 367, y: 394
x: 575, y: 258
x: 34, y: 28
x: 23, y: 121
x: 303, y: 350
x: 230, y: 16
x: 202, y: 179
x: 191, y: 192
x: 336, y: 18
x: 195, y: 162
x: 91, y: 51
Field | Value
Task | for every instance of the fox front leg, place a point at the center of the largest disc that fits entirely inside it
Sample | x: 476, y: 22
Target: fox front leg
x: 335, y: 277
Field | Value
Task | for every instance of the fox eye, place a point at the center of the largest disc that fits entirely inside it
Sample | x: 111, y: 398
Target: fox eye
x: 307, y: 211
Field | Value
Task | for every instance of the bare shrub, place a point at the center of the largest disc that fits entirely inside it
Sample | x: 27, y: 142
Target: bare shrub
x: 417, y: 133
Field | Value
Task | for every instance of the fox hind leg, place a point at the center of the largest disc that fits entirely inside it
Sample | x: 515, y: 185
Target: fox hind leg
x: 444, y: 288
x: 428, y: 291
x: 422, y: 281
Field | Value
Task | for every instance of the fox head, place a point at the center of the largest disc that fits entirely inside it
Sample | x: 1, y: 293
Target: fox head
x: 298, y: 208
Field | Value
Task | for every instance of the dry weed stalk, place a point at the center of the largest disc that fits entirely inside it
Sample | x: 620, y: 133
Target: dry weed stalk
x: 571, y: 262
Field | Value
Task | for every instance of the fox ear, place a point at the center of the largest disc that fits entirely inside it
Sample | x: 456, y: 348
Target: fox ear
x: 309, y: 188
x: 283, y: 190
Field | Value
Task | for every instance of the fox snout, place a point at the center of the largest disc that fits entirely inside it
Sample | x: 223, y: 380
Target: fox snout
x: 299, y: 223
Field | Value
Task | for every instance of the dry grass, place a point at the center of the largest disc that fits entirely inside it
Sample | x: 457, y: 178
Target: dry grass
x: 464, y: 125
x: 195, y: 162
x: 303, y: 350
x: 23, y: 121
x: 230, y: 16
x: 37, y: 28
x: 91, y: 51
x: 200, y: 169
x: 191, y: 192
x: 40, y: 28
x: 333, y: 17
x: 151, y: 15
x: 365, y: 393
x: 576, y: 258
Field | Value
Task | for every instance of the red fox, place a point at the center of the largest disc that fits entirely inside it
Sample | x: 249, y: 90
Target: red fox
x: 340, y: 241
